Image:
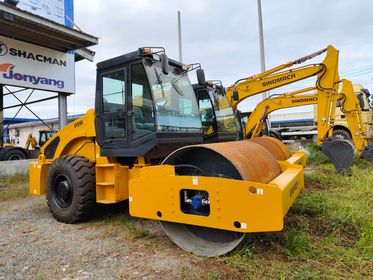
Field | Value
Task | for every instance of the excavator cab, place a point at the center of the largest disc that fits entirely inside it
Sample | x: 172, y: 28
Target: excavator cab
x: 219, y: 122
x: 145, y: 104
x: 45, y: 135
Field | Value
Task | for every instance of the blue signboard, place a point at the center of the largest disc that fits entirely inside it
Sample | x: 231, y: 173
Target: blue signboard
x: 69, y: 12
x: 55, y: 10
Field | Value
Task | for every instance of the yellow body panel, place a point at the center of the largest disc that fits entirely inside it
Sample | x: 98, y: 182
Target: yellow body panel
x: 156, y: 195
x: 38, y: 176
x: 77, y: 138
x: 297, y: 157
x: 111, y: 183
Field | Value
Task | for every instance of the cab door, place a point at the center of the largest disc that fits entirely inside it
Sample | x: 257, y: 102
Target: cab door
x: 112, y: 125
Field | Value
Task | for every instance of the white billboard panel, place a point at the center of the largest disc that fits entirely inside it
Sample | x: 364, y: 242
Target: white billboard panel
x: 27, y: 65
x: 50, y: 9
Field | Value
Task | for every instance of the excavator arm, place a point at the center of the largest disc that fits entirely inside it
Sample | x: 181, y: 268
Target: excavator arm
x: 327, y: 76
x: 351, y: 108
x: 256, y: 122
x: 31, y: 141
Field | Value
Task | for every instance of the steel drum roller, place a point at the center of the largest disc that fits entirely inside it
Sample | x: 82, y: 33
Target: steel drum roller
x: 241, y: 160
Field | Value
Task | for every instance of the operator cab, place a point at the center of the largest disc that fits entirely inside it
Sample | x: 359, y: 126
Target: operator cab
x: 45, y: 135
x: 369, y: 99
x: 145, y: 105
x: 219, y: 123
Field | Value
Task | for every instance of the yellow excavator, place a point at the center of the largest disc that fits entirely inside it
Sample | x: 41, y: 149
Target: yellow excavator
x: 325, y: 95
x: 143, y: 143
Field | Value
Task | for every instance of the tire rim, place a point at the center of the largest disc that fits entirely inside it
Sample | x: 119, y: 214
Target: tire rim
x: 15, y: 157
x: 63, y: 191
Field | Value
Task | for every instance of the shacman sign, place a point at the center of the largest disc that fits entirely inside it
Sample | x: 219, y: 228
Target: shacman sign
x: 26, y: 65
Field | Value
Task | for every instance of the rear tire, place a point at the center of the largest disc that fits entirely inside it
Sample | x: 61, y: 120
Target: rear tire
x: 2, y: 153
x: 12, y: 154
x: 71, y: 188
x: 342, y: 134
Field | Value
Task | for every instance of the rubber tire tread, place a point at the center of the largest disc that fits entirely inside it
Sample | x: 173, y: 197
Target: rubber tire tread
x: 2, y: 153
x: 81, y: 173
x: 11, y: 151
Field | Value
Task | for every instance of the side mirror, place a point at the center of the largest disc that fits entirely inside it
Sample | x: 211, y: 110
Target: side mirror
x: 201, y: 77
x: 164, y: 63
x: 222, y: 90
x: 236, y: 96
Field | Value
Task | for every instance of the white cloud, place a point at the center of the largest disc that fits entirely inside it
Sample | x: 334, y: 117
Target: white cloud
x: 223, y: 36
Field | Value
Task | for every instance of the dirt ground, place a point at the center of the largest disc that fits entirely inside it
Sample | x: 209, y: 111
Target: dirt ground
x: 35, y: 246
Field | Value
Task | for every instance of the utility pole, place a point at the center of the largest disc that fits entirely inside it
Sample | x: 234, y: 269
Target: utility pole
x: 179, y: 36
x: 262, y: 57
x: 62, y: 110
x: 261, y: 43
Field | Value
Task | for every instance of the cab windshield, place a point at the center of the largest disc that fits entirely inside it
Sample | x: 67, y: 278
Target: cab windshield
x: 176, y: 105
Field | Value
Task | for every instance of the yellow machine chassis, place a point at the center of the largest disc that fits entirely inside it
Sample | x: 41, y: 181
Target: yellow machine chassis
x: 235, y: 205
x: 154, y: 193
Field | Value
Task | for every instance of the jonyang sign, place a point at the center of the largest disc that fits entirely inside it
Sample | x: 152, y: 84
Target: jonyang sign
x: 26, y: 65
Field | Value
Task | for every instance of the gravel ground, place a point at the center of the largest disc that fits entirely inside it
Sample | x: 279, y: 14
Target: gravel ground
x: 35, y: 246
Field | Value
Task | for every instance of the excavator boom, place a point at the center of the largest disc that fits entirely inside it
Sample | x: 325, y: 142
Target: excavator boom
x: 278, y: 76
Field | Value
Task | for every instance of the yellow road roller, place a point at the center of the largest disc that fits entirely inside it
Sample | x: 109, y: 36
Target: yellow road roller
x: 143, y: 143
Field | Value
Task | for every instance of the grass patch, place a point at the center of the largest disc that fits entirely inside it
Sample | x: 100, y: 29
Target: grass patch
x: 14, y: 186
x: 116, y: 225
x: 328, y: 232
x: 316, y: 156
x: 297, y: 244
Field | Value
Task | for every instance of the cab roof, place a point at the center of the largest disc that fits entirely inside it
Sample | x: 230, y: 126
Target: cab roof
x: 127, y: 58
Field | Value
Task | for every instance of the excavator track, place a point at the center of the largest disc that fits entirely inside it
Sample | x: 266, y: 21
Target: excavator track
x: 242, y: 160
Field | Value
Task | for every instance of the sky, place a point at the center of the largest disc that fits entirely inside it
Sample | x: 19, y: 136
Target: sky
x: 223, y: 37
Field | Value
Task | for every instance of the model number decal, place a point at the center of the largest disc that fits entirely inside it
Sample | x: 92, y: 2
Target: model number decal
x: 79, y: 123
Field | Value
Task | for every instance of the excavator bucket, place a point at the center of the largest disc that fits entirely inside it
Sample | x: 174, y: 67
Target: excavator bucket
x: 340, y: 152
x: 237, y: 187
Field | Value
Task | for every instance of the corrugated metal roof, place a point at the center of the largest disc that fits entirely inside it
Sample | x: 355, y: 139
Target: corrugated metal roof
x: 25, y: 26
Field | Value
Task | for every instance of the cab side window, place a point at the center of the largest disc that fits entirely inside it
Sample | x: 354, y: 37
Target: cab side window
x: 114, y: 104
x: 142, y: 104
x: 113, y: 91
